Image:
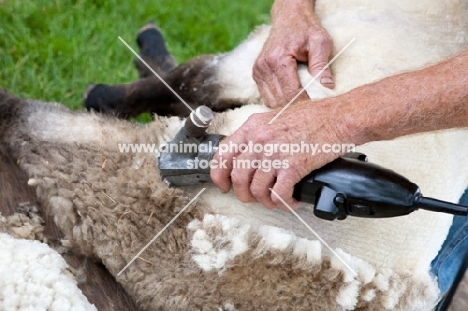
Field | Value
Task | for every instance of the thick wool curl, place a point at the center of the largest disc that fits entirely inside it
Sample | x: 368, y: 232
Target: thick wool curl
x: 27, y: 225
x: 35, y: 277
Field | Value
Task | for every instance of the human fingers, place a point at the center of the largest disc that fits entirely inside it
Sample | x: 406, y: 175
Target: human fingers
x: 320, y: 49
x: 265, y: 93
x: 275, y: 73
x: 221, y: 173
x: 241, y: 177
x: 288, y: 82
x: 221, y: 176
x: 262, y: 181
x: 282, y: 191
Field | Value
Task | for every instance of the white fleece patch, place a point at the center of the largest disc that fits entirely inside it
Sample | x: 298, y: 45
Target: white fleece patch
x: 311, y: 249
x: 235, y: 68
x: 218, y: 239
x: 275, y: 238
x: 228, y: 307
x: 34, y: 277
x: 92, y: 127
x: 212, y: 252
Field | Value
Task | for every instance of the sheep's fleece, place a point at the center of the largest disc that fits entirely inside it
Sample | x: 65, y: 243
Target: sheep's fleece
x: 35, y: 277
x: 222, y: 254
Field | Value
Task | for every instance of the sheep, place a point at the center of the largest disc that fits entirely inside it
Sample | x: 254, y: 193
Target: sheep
x: 22, y: 217
x: 221, y: 253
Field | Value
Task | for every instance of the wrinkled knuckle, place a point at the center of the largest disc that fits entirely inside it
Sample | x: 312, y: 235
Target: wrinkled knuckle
x: 258, y: 67
x: 296, y: 172
x: 272, y: 104
x: 261, y: 64
x: 275, y: 200
x: 290, y: 93
x: 256, y: 74
x: 243, y: 133
x: 237, y: 178
x: 319, y: 65
x: 215, y: 177
x: 258, y: 192
x: 323, y: 39
x: 253, y: 119
x: 271, y: 58
x: 263, y: 137
x: 243, y: 199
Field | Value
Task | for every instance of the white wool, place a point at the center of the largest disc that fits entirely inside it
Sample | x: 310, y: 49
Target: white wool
x: 217, y: 239
x: 229, y: 307
x: 337, y: 263
x: 368, y: 295
x: 311, y: 249
x: 390, y: 301
x: 48, y: 126
x: 347, y: 296
x: 35, y: 277
x: 382, y: 279
x: 385, y: 284
x: 238, y: 116
x: 275, y: 238
x: 211, y: 253
x: 235, y: 73
x: 199, y: 242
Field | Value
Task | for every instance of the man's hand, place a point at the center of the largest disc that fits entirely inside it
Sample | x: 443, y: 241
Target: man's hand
x: 382, y: 110
x: 297, y: 124
x: 296, y: 36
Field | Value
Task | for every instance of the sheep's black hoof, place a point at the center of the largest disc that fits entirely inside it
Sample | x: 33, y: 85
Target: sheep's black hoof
x: 149, y: 25
x: 103, y: 98
x: 153, y: 50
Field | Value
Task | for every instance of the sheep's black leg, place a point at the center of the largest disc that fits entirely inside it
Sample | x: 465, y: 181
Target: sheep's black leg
x: 147, y: 94
x: 154, y: 52
x: 195, y: 82
x: 129, y: 100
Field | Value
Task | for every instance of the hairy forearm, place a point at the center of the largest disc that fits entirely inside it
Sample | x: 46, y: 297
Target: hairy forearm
x: 283, y: 11
x: 431, y: 99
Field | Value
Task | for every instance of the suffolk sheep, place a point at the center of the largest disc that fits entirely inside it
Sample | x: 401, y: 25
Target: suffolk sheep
x: 219, y: 253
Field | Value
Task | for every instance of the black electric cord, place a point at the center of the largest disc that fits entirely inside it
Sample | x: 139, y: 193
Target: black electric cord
x: 435, y: 205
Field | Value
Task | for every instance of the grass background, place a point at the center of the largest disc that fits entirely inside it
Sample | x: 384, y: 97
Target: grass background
x: 52, y: 49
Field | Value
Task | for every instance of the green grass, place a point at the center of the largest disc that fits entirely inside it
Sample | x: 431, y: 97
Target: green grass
x: 52, y: 49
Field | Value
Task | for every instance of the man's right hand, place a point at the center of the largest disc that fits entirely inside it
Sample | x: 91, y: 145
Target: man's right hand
x: 296, y: 36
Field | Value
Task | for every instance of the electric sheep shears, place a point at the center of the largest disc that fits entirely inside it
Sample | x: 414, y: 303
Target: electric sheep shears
x: 349, y: 185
